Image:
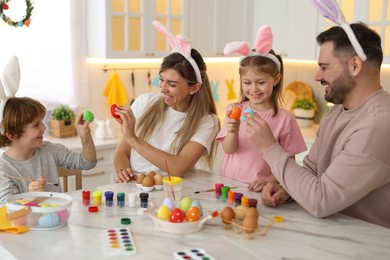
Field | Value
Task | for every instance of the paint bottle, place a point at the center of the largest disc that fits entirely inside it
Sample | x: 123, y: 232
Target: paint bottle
x: 109, y: 198
x: 252, y: 203
x: 237, y: 199
x: 224, y: 193
x: 131, y: 197
x: 97, y: 197
x: 231, y: 197
x: 218, y: 187
x: 120, y: 199
x: 245, y: 201
x: 86, y: 194
x: 144, y: 199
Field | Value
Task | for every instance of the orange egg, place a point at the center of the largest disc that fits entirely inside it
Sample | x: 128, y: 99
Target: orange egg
x: 148, y: 182
x: 193, y: 214
x: 235, y: 113
x: 140, y: 178
x: 228, y: 215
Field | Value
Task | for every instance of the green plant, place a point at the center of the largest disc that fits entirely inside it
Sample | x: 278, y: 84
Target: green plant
x: 305, y: 103
x: 62, y: 113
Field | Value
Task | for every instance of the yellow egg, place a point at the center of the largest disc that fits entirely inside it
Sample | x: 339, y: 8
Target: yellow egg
x: 240, y: 211
x: 250, y: 224
x: 158, y: 179
x: 148, y: 182
x: 152, y: 174
x: 140, y: 178
x: 227, y: 215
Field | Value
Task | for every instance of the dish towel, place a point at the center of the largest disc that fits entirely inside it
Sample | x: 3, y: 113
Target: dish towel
x: 5, y: 225
x: 115, y: 91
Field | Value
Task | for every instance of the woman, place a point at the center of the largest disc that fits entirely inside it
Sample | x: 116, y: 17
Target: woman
x: 174, y: 127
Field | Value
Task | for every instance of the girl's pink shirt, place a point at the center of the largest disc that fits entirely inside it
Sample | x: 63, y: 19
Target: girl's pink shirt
x: 247, y: 163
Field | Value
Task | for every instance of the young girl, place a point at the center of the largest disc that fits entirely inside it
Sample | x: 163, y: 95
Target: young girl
x: 27, y: 155
x: 261, y: 75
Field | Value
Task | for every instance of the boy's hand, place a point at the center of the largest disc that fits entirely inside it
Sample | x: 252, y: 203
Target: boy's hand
x: 37, y: 185
x: 82, y: 127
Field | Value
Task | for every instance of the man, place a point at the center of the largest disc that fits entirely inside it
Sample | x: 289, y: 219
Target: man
x: 348, y: 167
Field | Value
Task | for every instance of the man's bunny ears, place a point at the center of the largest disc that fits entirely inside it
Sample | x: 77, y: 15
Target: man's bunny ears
x: 331, y: 10
x: 263, y: 45
x: 9, y: 84
x: 180, y: 44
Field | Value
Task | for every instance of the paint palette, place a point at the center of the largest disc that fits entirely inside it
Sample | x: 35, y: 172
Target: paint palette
x: 193, y: 253
x: 119, y: 242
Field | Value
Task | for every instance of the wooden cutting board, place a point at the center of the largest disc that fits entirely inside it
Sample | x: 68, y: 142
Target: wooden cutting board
x: 295, y: 91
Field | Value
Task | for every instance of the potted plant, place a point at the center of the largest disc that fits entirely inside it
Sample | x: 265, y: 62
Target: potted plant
x: 62, y: 122
x: 304, y: 110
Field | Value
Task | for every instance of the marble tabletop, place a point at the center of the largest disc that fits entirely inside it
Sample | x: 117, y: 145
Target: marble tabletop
x: 300, y: 236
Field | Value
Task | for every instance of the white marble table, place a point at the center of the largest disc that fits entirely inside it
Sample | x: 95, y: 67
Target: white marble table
x: 300, y: 236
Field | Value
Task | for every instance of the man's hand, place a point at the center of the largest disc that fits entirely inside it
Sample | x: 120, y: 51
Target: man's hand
x: 273, y: 194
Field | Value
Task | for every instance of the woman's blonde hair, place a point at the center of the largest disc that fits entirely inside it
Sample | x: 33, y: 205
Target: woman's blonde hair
x: 201, y: 104
x: 18, y: 113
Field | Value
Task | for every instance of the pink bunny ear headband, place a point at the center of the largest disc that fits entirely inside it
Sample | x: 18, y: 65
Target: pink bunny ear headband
x: 331, y: 10
x: 264, y: 39
x: 9, y: 84
x: 180, y: 44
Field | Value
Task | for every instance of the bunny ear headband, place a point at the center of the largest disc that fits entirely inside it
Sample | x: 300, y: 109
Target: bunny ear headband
x: 180, y: 44
x: 9, y: 84
x: 264, y: 39
x: 331, y: 10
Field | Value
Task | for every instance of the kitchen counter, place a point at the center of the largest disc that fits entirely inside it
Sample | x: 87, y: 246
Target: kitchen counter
x: 300, y: 236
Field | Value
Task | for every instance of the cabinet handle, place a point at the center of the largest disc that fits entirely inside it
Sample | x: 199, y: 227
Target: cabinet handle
x: 90, y: 174
x: 100, y: 158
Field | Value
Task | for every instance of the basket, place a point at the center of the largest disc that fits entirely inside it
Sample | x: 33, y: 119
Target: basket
x: 39, y: 210
x: 62, y: 128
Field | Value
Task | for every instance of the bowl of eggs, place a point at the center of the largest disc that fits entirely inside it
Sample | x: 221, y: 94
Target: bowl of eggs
x: 185, y: 219
x: 39, y: 210
x: 150, y: 181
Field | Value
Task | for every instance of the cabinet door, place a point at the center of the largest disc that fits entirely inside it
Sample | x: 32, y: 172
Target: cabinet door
x: 294, y: 26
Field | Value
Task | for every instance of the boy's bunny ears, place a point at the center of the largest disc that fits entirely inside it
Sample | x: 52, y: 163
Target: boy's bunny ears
x: 264, y: 39
x: 331, y: 10
x: 180, y: 44
x: 9, y: 84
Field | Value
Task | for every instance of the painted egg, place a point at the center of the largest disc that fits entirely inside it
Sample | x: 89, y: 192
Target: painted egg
x: 31, y: 204
x: 185, y: 204
x: 45, y: 205
x: 193, y: 214
x: 227, y: 215
x: 33, y: 218
x: 198, y: 205
x: 148, y: 182
x: 63, y: 215
x: 163, y: 212
x: 113, y: 112
x: 235, y: 113
x: 176, y: 216
x: 88, y: 116
x: 169, y: 203
x: 248, y: 110
x: 49, y: 220
x: 250, y: 224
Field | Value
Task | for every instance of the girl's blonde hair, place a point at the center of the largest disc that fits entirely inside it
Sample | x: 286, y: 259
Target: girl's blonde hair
x: 18, y: 113
x: 201, y: 104
x: 264, y: 65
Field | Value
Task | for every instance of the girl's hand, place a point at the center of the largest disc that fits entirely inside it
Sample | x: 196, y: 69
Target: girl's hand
x: 82, y: 127
x: 125, y: 176
x: 232, y: 125
x: 257, y: 185
x: 37, y: 185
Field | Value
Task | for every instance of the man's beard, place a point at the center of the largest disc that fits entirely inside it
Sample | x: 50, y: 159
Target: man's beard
x: 340, y: 89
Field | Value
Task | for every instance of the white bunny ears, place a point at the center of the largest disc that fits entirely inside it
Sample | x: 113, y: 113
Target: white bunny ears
x: 9, y: 84
x: 180, y: 44
x: 331, y: 10
x: 264, y: 40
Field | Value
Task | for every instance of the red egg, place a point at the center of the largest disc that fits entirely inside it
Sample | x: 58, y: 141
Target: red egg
x: 113, y: 113
x: 176, y: 216
x: 193, y: 214
x: 235, y: 113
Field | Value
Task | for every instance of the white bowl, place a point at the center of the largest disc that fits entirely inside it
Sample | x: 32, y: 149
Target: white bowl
x: 41, y: 218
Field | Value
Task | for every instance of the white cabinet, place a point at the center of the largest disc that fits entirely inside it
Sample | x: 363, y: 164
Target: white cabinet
x: 294, y: 26
x: 123, y: 28
x: 213, y: 23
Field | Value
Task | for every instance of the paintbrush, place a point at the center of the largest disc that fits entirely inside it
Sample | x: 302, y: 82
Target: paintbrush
x: 210, y: 190
x: 28, y: 179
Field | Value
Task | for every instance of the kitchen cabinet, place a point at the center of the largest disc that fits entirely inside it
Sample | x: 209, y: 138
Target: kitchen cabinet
x: 294, y: 26
x: 123, y: 28
x: 213, y: 23
x: 374, y: 13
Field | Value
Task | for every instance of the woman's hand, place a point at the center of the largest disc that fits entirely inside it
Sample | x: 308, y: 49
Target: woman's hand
x: 125, y: 176
x: 37, y: 185
x: 127, y: 121
x: 274, y: 194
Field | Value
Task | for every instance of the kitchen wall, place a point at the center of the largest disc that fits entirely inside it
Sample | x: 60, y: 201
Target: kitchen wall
x: 219, y: 73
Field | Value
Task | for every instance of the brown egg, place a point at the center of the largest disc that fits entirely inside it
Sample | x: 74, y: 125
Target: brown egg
x: 240, y: 211
x: 227, y: 215
x: 148, y: 182
x: 152, y: 174
x: 140, y: 178
x: 250, y: 224
x: 158, y: 179
x: 252, y: 212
